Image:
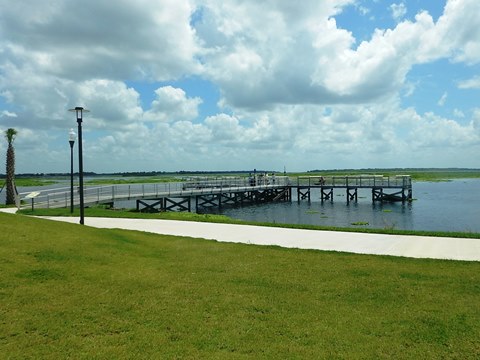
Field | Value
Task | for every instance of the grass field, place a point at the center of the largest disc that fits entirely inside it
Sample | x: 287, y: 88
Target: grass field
x: 139, y: 180
x: 69, y: 291
x: 416, y: 174
x: 29, y: 182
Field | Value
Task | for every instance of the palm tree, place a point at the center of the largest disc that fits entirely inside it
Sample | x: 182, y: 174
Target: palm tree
x: 10, y: 134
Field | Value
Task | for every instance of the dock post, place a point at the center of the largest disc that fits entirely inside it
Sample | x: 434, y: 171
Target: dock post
x: 352, y: 195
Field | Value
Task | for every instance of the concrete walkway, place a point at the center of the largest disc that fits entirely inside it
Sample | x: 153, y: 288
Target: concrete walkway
x: 10, y: 210
x: 360, y: 243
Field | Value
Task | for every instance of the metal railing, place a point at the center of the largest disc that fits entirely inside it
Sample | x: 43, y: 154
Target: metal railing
x: 60, y: 197
x: 367, y: 181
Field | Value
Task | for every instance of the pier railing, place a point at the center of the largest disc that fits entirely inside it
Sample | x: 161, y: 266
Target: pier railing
x: 60, y: 197
x: 360, y: 181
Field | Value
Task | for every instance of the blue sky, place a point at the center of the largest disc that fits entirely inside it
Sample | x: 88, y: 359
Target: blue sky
x: 236, y: 85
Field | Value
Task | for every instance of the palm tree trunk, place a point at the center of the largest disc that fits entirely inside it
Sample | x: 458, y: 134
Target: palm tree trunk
x: 10, y: 180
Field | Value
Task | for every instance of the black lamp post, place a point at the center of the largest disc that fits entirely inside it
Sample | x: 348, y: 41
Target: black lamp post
x: 71, y: 140
x: 79, y: 112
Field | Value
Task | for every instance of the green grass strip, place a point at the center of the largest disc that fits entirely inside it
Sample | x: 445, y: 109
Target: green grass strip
x: 30, y: 182
x: 416, y: 174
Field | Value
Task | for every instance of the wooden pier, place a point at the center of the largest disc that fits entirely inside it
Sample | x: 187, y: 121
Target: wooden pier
x: 200, y: 194
x: 383, y: 188
x: 222, y: 197
x: 192, y: 195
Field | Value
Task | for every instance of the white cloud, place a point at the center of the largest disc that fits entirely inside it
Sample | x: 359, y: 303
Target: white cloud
x: 6, y: 113
x: 225, y: 128
x: 458, y: 113
x: 141, y: 39
x: 172, y: 105
x: 258, y: 65
x: 443, y: 99
x: 476, y: 121
x: 398, y: 11
x: 276, y: 66
x: 112, y: 103
x: 456, y: 33
x: 443, y: 133
x: 363, y: 10
x: 300, y: 57
x: 473, y: 83
x: 314, y: 61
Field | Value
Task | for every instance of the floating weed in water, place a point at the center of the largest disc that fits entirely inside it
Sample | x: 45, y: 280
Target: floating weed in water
x: 360, y: 223
x: 312, y: 212
x: 387, y: 211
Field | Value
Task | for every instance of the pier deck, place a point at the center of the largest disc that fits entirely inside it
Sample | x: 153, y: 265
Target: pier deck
x: 204, y: 193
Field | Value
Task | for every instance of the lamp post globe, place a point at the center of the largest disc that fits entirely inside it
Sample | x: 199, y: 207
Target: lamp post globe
x: 79, y: 114
x: 72, y: 137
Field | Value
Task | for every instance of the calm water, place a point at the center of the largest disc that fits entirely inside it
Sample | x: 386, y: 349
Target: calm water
x: 441, y: 206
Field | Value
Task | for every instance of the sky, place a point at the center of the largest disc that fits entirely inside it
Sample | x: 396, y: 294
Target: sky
x: 206, y: 85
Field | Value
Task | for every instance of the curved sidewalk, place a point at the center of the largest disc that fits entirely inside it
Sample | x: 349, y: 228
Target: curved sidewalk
x: 360, y: 243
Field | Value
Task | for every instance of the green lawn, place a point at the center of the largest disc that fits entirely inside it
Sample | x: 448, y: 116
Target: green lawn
x: 69, y: 291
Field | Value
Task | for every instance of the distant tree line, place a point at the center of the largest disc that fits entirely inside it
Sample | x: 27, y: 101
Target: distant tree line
x: 395, y: 169
x: 138, y: 173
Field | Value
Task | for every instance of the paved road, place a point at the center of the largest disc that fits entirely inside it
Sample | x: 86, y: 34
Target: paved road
x: 377, y: 244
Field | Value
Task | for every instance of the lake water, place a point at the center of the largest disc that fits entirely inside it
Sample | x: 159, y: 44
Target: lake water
x: 438, y: 206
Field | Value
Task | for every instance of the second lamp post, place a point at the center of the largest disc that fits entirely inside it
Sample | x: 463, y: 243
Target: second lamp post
x: 79, y: 112
x: 71, y: 140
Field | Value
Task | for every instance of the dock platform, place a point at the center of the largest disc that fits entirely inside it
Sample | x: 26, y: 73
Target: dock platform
x: 383, y: 188
x: 198, y: 194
